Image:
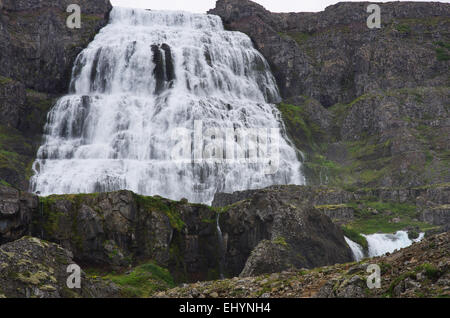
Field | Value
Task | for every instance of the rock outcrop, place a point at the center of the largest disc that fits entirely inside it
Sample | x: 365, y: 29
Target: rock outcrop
x: 427, y: 204
x: 16, y: 212
x: 119, y: 229
x: 32, y: 268
x: 280, y: 233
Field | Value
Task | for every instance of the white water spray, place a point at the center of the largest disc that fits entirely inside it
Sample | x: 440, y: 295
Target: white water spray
x: 380, y: 244
x: 146, y: 74
x: 357, y: 250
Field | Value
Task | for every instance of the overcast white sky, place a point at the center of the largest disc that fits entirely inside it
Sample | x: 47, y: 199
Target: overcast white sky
x: 205, y: 5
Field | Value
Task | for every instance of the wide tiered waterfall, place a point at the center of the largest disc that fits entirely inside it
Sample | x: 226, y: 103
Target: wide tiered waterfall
x: 166, y: 103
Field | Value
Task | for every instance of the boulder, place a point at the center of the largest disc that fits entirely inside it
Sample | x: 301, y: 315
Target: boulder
x: 279, y: 229
x: 32, y: 268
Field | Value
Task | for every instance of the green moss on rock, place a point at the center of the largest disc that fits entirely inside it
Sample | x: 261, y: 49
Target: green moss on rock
x: 143, y: 281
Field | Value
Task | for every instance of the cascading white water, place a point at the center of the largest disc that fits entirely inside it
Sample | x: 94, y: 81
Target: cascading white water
x: 357, y: 250
x: 146, y: 75
x: 380, y: 244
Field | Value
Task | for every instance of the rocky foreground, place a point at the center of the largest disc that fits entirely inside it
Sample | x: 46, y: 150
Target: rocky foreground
x: 134, y: 246
x: 31, y: 267
x: 421, y: 270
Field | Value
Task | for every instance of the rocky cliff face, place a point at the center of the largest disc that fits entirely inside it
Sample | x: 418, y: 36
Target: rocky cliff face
x: 116, y: 230
x: 334, y: 57
x: 367, y: 107
x: 37, y: 47
x: 37, y: 51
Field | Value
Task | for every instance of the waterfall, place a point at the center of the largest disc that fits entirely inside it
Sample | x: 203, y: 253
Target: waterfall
x: 221, y: 247
x: 380, y: 244
x: 357, y: 250
x: 160, y: 103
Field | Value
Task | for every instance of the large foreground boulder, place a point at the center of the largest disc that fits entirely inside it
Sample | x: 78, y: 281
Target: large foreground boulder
x: 32, y: 268
x: 279, y: 234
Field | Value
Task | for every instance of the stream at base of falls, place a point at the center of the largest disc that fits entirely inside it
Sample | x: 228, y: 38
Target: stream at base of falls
x: 380, y: 244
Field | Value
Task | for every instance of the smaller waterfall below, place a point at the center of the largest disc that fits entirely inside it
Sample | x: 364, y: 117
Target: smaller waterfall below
x: 221, y: 247
x: 357, y: 250
x: 380, y: 244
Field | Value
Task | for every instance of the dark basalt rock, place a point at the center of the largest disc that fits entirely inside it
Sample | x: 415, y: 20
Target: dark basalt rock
x: 16, y: 210
x: 37, y: 48
x: 368, y: 108
x: 37, y: 52
x: 334, y: 57
x: 164, y: 71
x: 279, y: 236
x: 118, y: 229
